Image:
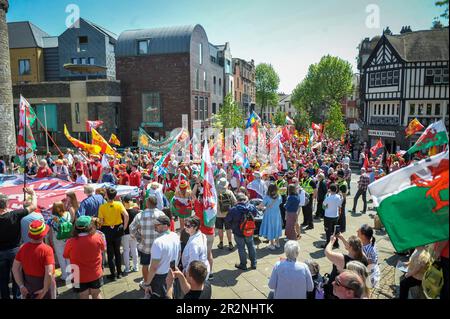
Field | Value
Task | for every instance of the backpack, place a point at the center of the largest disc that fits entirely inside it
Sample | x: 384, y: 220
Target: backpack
x: 64, y: 230
x: 225, y: 202
x: 432, y: 281
x: 248, y: 225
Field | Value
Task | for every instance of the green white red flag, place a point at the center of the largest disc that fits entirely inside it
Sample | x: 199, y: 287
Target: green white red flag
x: 25, y: 139
x: 412, y: 202
x: 209, y: 189
x: 434, y: 135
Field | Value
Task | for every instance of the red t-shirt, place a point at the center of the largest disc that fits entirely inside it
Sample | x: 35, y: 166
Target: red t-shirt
x: 34, y: 258
x: 124, y: 178
x: 96, y: 171
x: 135, y: 179
x: 444, y: 252
x: 44, y: 172
x: 86, y: 253
x: 198, y: 208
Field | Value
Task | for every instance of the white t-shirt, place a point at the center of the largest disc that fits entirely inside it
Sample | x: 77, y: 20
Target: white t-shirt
x: 81, y: 180
x: 196, y: 249
x: 332, y: 203
x: 166, y: 248
x: 346, y: 160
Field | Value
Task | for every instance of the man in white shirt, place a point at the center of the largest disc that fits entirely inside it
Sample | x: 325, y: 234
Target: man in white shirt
x: 156, y: 190
x: 332, y: 205
x: 69, y: 156
x: 165, y: 254
x: 81, y: 178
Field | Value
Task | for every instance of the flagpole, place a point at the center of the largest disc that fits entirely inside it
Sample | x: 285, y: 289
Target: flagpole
x: 48, y: 134
x: 25, y: 158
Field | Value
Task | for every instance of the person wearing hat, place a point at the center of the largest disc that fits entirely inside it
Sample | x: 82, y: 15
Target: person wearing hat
x: 165, y: 253
x: 181, y: 203
x: 235, y: 217
x: 84, y: 250
x: 135, y: 175
x: 61, y: 170
x: 34, y: 265
x: 10, y: 229
x: 226, y: 200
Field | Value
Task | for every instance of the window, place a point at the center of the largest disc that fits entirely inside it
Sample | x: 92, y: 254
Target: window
x: 379, y: 109
x: 384, y: 109
x: 196, y: 108
x: 412, y: 109
x: 436, y: 76
x: 375, y: 109
x: 220, y: 83
x: 205, y: 83
x: 74, y: 61
x: 377, y: 79
x: 83, y: 60
x: 389, y: 109
x: 398, y: 109
x: 24, y: 67
x: 201, y: 107
x: 82, y: 43
x: 91, y: 61
x: 200, y: 53
x: 205, y: 109
x: 77, y: 113
x: 197, y: 80
x: 396, y: 77
x: 429, y: 107
x: 421, y: 110
x: 383, y: 78
x: 214, y: 86
x: 389, y: 77
x: 143, y: 46
x: 214, y: 108
x: 151, y: 107
x: 437, y: 109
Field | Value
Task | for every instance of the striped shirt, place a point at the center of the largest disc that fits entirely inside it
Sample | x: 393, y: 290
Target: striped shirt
x: 371, y: 253
x: 143, y: 229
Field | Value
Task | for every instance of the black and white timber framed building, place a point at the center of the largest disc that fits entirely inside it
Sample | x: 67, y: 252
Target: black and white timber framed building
x: 404, y: 77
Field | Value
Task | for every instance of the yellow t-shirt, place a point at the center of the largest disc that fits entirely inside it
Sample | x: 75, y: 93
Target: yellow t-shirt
x: 111, y: 213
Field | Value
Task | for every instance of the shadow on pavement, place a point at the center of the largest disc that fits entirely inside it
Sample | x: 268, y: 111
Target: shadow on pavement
x: 226, y: 277
x: 134, y: 294
x: 318, y: 254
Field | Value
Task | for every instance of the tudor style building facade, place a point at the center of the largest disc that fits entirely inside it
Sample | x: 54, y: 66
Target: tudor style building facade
x: 405, y: 76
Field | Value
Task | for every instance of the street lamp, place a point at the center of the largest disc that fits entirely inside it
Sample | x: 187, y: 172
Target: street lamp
x: 45, y: 124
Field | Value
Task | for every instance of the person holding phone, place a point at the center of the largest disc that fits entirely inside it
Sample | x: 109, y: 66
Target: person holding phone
x: 196, y: 247
x: 331, y: 205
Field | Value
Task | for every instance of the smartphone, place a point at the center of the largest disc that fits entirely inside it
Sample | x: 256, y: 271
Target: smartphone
x: 337, y: 229
x: 172, y: 265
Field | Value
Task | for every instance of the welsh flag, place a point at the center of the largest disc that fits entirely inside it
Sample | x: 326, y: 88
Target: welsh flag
x: 25, y: 139
x: 412, y: 203
x: 209, y: 189
x: 93, y: 125
x: 434, y: 135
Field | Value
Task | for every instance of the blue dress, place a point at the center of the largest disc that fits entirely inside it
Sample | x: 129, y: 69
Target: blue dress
x: 271, y: 225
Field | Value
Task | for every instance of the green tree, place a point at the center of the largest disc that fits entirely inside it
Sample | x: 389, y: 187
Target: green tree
x: 302, y: 120
x: 279, y: 118
x: 267, y: 82
x: 335, y: 126
x: 443, y: 3
x: 326, y: 83
x: 437, y: 25
x: 230, y: 115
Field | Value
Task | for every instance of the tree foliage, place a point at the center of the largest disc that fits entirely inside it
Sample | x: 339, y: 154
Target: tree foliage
x: 279, y: 118
x: 267, y: 82
x: 443, y: 3
x: 326, y: 83
x: 302, y: 120
x: 230, y: 115
x: 335, y: 125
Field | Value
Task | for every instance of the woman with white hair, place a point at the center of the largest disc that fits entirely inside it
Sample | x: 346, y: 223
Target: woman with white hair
x: 43, y: 170
x: 291, y: 279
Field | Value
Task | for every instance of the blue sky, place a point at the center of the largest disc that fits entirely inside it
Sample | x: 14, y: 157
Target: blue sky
x: 289, y: 34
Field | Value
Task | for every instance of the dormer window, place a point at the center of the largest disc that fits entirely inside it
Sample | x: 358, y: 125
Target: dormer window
x: 143, y: 47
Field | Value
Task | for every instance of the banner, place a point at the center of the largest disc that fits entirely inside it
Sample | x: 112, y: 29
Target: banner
x: 25, y: 140
x: 90, y: 148
x: 50, y: 190
x: 146, y: 142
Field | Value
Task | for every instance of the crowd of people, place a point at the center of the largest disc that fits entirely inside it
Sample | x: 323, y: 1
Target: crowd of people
x: 132, y: 234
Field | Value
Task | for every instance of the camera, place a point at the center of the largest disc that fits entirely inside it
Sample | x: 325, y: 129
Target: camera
x: 337, y: 229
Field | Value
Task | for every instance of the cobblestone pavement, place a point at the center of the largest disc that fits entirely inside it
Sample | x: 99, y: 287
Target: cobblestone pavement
x: 232, y: 283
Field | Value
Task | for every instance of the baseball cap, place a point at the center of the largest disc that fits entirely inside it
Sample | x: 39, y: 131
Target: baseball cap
x: 83, y: 221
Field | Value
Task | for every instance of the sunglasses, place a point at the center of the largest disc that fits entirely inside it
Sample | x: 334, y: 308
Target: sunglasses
x: 338, y: 283
x: 188, y: 226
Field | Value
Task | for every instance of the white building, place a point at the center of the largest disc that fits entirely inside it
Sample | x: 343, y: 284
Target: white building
x: 405, y: 76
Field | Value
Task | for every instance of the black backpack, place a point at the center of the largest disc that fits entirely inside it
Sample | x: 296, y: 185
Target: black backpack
x: 225, y: 202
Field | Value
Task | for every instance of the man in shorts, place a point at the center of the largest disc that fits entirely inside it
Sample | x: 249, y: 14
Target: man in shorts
x: 226, y: 200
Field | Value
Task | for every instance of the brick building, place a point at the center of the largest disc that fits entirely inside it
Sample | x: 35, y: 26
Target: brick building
x: 244, y: 84
x: 167, y: 75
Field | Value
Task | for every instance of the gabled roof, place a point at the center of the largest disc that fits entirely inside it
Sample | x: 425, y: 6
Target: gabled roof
x: 101, y: 29
x: 162, y: 40
x: 426, y: 45
x: 25, y: 34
